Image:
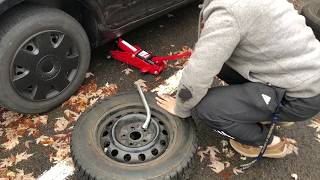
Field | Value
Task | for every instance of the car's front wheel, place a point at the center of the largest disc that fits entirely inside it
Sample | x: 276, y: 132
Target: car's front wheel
x: 44, y: 56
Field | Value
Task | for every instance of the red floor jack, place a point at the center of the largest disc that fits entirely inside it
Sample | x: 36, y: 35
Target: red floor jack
x: 143, y: 60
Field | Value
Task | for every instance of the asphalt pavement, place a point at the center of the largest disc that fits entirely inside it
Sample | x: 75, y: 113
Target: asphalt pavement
x: 169, y: 34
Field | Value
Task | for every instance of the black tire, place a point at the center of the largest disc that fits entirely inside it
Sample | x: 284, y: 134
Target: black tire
x: 92, y: 163
x: 17, y: 27
x: 311, y: 12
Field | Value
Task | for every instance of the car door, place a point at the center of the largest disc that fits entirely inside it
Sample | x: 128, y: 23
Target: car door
x: 118, y: 13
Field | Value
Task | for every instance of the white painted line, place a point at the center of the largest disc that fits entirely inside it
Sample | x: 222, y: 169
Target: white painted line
x: 58, y: 172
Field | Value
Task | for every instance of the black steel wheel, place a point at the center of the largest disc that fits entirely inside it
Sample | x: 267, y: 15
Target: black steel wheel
x: 44, y: 56
x: 108, y: 142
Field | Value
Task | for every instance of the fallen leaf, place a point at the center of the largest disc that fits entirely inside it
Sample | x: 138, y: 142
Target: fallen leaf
x: 294, y: 176
x: 89, y: 74
x: 142, y: 84
x: 22, y: 156
x: 1, y: 131
x: 93, y: 101
x: 11, y: 143
x: 10, y: 117
x: 22, y: 176
x: 318, y: 138
x: 217, y: 166
x: 316, y: 125
x: 8, y: 162
x: 237, y: 171
x: 61, y: 124
x: 224, y: 143
x: 203, y: 154
x: 71, y: 115
x: 291, y: 146
x: 45, y: 140
x: 40, y: 119
x: 127, y: 71
x: 27, y: 144
x: 243, y: 158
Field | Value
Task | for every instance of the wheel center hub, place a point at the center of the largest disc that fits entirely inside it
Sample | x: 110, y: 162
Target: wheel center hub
x: 125, y: 140
x: 128, y: 132
x: 48, y: 67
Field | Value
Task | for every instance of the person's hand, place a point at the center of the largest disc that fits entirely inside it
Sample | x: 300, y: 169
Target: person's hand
x: 167, y: 102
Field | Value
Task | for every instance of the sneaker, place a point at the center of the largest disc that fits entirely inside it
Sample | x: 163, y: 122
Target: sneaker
x: 277, y: 151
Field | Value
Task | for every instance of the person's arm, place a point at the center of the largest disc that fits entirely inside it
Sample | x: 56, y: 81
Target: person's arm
x: 218, y: 39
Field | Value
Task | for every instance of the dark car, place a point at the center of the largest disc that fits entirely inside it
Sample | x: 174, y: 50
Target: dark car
x: 45, y: 44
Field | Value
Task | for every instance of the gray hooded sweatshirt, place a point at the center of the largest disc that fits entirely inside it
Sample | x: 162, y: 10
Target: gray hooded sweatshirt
x: 266, y: 41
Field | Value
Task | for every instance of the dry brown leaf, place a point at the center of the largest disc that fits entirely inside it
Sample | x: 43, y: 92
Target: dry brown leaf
x: 291, y: 146
x: 13, y: 142
x: 61, y: 124
x: 8, y: 162
x: 1, y: 131
x: 318, y: 138
x: 294, y: 176
x: 316, y: 125
x: 224, y: 143
x: 142, y: 84
x: 237, y: 171
x: 228, y: 152
x: 217, y: 166
x: 203, y: 154
x: 22, y: 156
x: 89, y: 74
x: 45, y: 140
x: 127, y: 71
x: 27, y: 144
x: 71, y: 115
x: 93, y: 101
x: 10, y: 117
x: 40, y: 119
x: 22, y: 176
x: 213, y: 151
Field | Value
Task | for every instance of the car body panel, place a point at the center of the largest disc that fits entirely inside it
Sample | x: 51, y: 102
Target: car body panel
x: 105, y: 20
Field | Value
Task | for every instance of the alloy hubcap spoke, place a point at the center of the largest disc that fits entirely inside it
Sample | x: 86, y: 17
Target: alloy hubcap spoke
x: 42, y: 91
x: 70, y: 63
x: 61, y: 82
x: 24, y: 82
x: 25, y: 59
x: 64, y: 45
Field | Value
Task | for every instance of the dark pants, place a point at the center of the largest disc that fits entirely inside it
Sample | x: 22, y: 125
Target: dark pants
x: 236, y: 110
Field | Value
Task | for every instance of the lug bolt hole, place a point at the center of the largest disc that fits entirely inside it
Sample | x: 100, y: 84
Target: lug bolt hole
x: 110, y: 123
x: 165, y: 132
x: 105, y: 133
x: 127, y: 157
x: 163, y: 142
x: 114, y: 153
x: 107, y: 144
x: 142, y: 157
x: 155, y: 152
x: 161, y: 123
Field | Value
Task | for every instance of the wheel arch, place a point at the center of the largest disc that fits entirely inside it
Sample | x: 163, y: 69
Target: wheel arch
x: 87, y: 12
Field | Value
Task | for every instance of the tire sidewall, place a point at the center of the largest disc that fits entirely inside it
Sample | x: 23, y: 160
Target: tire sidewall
x: 91, y: 157
x: 11, y: 40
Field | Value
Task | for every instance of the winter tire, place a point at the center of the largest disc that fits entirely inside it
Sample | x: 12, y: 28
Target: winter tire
x: 44, y: 56
x: 108, y: 142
